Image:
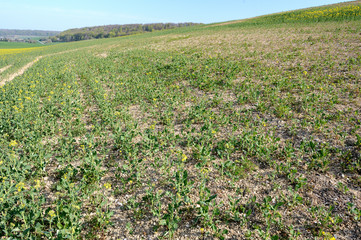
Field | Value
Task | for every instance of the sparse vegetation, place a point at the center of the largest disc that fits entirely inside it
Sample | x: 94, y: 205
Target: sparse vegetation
x: 228, y: 131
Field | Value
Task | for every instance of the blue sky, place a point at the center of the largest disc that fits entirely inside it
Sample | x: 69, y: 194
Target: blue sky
x: 64, y: 14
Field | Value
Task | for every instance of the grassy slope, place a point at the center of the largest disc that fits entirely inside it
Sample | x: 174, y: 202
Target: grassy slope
x: 7, y: 45
x: 240, y: 130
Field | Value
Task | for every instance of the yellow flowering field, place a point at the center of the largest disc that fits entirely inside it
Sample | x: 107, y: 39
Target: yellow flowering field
x: 343, y: 12
x: 17, y: 50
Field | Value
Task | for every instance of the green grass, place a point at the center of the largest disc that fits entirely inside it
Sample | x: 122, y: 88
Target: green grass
x: 9, y: 45
x: 229, y: 131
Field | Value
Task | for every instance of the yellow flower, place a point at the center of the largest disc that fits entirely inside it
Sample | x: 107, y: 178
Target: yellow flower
x: 108, y: 186
x: 202, y: 230
x: 20, y: 186
x: 204, y: 170
x: 184, y: 157
x: 51, y: 213
x: 4, y: 178
x: 37, y: 185
x: 328, y: 236
x: 13, y: 143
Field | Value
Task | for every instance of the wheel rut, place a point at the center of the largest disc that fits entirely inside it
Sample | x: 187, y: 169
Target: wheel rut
x: 27, y: 66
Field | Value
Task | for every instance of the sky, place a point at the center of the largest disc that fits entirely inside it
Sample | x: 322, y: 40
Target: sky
x: 61, y: 15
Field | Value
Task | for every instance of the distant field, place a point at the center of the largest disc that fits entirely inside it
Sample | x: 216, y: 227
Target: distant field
x: 11, y: 45
x: 241, y: 130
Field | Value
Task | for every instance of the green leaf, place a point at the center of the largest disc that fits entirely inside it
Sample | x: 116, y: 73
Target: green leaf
x: 211, y: 198
x: 38, y: 228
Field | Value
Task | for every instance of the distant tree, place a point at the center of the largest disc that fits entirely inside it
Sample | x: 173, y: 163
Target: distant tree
x: 109, y: 31
x: 112, y: 34
x: 148, y: 28
x: 100, y: 35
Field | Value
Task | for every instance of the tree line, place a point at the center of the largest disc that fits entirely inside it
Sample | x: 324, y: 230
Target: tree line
x: 109, y: 31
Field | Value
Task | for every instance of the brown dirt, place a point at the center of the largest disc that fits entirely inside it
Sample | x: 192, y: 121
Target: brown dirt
x: 4, y: 68
x: 102, y: 55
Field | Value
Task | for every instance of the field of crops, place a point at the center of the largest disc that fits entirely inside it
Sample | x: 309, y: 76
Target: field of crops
x: 13, y: 45
x: 211, y: 132
x: 15, y: 50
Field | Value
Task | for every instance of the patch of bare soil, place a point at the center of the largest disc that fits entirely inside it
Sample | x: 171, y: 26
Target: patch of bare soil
x: 232, y: 22
x: 102, y: 55
x: 4, y: 68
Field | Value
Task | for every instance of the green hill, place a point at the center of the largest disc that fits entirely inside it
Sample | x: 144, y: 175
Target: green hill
x: 110, y: 31
x: 17, y: 32
x: 16, y: 35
